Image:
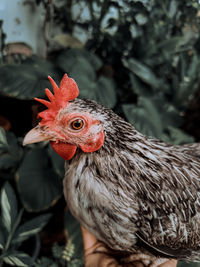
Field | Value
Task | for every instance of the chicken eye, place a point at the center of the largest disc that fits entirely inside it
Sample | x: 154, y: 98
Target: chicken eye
x: 77, y: 124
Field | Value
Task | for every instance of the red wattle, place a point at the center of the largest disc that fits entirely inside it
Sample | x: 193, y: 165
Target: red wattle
x: 65, y: 150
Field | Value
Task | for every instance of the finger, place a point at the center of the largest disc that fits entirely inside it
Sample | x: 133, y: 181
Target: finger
x: 169, y: 263
x: 89, y: 241
x: 101, y: 260
x: 91, y: 248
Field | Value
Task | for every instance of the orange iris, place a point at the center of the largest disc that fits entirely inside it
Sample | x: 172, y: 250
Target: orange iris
x: 77, y: 124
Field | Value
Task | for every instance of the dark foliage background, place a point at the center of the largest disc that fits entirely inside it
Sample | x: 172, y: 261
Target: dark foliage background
x: 141, y: 58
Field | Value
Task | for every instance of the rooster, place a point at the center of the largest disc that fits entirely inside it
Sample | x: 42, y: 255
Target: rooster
x: 134, y: 193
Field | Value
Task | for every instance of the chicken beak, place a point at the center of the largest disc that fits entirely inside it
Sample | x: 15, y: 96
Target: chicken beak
x: 35, y: 136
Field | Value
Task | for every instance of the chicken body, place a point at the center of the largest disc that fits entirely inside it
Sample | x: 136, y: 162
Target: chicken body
x: 136, y: 188
x: 132, y: 192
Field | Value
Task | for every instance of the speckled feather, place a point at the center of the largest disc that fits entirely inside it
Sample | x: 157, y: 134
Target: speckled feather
x: 136, y: 193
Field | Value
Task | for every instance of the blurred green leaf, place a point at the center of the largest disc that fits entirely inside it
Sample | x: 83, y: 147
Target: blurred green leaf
x: 3, y: 139
x: 76, y: 263
x: 2, y: 238
x: 138, y: 86
x: 177, y: 137
x: 193, y: 68
x: 74, y: 233
x: 184, y: 89
x: 171, y: 116
x: 81, y: 66
x: 30, y: 228
x: 105, y: 92
x: 86, y: 82
x: 9, y: 207
x: 45, y: 262
x: 18, y: 259
x: 38, y: 183
x: 69, y: 57
x: 81, y: 70
x: 172, y: 45
x: 144, y: 117
x: 143, y: 72
x: 172, y: 8
x: 27, y: 80
x: 58, y: 163
x: 10, y: 152
x: 188, y: 264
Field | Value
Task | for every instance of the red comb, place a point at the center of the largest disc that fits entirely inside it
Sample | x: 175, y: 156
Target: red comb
x: 67, y: 91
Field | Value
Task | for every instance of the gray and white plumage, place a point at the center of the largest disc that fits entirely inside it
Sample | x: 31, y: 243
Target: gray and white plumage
x: 136, y: 193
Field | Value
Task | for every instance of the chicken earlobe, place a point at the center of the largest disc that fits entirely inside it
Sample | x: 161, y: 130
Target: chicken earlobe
x: 94, y: 144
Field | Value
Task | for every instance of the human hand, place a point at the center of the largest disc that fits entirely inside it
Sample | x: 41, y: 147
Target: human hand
x: 97, y: 255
